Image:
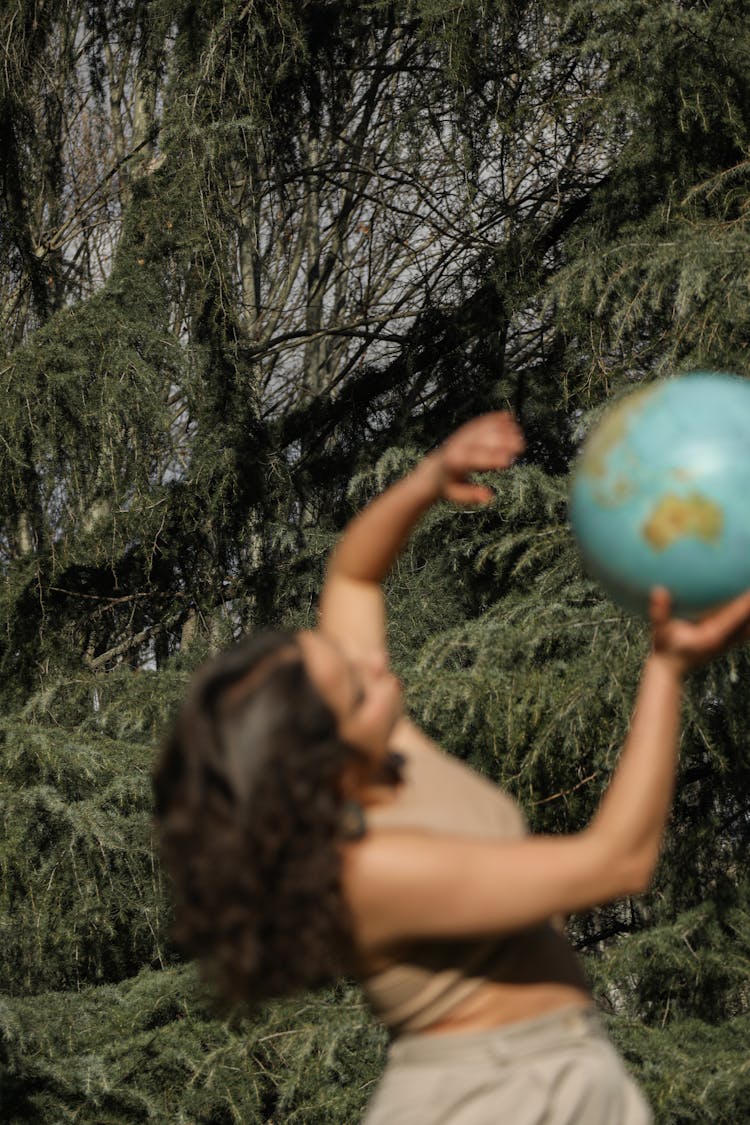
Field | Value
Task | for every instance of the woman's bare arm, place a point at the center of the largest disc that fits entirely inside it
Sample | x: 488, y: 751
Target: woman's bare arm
x: 404, y: 885
x: 633, y: 812
x: 351, y: 604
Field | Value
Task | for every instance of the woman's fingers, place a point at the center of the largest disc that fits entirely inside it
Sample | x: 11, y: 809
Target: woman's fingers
x: 492, y: 441
x: 502, y: 433
x: 467, y: 493
x: 695, y: 643
x: 472, y: 452
x: 728, y: 624
x: 660, y: 606
x: 489, y: 429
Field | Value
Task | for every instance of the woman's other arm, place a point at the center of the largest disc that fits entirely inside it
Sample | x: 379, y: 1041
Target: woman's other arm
x: 630, y: 822
x: 404, y: 886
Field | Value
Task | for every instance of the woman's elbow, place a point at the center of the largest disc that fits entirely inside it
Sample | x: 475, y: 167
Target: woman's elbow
x: 624, y: 869
x: 638, y: 871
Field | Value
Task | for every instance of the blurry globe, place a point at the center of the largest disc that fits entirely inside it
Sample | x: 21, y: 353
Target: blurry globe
x: 661, y: 493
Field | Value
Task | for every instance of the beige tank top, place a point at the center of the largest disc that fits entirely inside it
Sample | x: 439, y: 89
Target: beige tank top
x: 440, y: 794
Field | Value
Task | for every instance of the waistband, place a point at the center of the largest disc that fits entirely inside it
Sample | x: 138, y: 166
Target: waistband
x: 510, y: 1041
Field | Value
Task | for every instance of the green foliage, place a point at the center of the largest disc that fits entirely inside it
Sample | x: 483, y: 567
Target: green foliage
x: 694, y: 962
x: 268, y: 255
x: 81, y: 895
x: 692, y: 1072
x: 652, y: 282
x: 520, y: 683
x: 151, y: 1050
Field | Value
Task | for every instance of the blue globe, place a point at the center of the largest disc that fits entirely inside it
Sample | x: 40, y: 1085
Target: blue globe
x: 660, y: 493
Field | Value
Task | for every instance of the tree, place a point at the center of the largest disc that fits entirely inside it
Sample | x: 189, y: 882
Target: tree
x: 256, y: 258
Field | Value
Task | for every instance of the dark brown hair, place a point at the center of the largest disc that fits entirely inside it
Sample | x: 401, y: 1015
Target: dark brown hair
x: 248, y: 808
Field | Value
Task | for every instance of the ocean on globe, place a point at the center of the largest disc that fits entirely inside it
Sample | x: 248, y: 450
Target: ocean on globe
x: 660, y: 494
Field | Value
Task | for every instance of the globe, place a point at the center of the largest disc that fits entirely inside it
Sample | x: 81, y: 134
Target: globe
x: 660, y: 493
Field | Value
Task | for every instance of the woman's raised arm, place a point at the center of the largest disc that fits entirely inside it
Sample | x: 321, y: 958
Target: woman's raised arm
x: 351, y: 604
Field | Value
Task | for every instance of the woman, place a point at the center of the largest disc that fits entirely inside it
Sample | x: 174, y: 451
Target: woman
x: 310, y: 828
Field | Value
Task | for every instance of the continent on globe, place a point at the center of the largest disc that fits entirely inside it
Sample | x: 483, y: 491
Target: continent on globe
x: 677, y: 517
x: 612, y: 429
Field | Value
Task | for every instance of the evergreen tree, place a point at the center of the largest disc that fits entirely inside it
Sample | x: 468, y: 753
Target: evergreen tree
x: 255, y: 259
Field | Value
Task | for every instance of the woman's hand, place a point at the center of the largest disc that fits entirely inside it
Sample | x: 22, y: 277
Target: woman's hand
x: 688, y: 644
x: 492, y: 441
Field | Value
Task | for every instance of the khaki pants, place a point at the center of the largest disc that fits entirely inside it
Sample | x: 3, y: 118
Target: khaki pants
x: 558, y: 1069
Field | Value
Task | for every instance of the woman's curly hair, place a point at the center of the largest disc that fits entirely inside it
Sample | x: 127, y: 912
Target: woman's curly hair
x: 248, y: 808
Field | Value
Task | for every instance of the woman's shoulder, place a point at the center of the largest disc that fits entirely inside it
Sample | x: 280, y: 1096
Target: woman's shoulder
x: 439, y: 793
